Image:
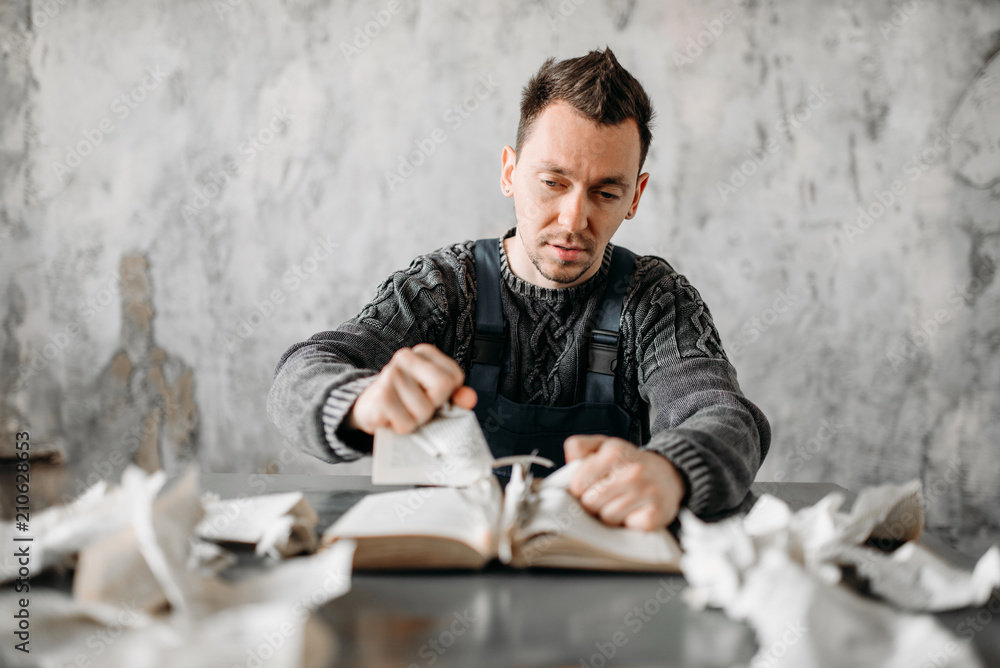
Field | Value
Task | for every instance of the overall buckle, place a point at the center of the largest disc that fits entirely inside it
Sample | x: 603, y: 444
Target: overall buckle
x: 603, y: 353
x: 488, y: 348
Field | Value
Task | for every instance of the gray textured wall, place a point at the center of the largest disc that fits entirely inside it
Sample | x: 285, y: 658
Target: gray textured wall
x: 189, y: 187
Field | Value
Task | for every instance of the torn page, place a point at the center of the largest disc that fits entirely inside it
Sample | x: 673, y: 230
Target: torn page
x: 61, y: 532
x: 280, y: 525
x: 515, y: 501
x: 130, y: 565
x: 448, y: 450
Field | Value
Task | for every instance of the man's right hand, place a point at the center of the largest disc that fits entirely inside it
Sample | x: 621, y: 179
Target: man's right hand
x: 408, y: 391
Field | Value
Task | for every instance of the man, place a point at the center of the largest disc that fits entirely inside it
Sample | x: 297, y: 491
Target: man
x: 571, y: 345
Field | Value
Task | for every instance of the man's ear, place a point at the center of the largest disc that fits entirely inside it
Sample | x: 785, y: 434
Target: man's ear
x: 507, y: 160
x: 640, y: 186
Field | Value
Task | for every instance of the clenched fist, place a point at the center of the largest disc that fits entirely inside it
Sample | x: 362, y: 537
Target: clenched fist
x: 408, y: 391
x: 624, y: 485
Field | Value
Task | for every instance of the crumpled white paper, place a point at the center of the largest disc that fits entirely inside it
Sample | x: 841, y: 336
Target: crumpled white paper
x: 780, y: 570
x: 263, y: 619
x: 60, y: 532
x: 280, y: 525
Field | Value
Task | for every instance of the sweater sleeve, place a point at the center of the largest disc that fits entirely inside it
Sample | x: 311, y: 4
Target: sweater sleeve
x: 317, y: 381
x: 700, y: 419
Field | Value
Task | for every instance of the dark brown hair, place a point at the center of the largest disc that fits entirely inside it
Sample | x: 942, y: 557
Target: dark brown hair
x: 597, y: 86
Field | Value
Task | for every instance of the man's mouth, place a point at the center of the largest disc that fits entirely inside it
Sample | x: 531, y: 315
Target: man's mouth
x: 568, y: 253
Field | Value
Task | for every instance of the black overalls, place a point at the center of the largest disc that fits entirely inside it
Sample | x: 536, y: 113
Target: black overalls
x: 517, y: 429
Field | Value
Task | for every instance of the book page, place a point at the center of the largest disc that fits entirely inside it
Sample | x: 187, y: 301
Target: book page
x: 469, y: 515
x: 449, y: 450
x: 554, y: 512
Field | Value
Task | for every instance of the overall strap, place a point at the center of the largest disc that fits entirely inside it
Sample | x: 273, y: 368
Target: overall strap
x: 603, y: 349
x: 490, y: 342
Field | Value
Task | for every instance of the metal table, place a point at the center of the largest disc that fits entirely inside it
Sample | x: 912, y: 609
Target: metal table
x: 508, y: 617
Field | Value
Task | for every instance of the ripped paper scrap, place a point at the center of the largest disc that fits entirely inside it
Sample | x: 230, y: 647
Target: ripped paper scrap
x: 448, y: 450
x: 280, y: 525
x: 60, y: 532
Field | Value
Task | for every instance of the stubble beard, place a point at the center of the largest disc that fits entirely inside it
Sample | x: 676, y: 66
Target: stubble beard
x: 569, y: 273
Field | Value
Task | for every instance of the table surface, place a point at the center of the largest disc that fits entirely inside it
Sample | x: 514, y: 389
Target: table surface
x: 536, y: 617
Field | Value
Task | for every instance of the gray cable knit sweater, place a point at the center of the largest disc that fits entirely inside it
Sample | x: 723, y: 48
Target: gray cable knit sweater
x: 678, y: 386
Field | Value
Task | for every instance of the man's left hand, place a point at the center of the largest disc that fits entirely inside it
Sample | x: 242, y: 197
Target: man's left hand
x: 624, y: 485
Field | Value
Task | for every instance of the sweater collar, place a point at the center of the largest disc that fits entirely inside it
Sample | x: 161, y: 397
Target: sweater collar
x: 532, y: 291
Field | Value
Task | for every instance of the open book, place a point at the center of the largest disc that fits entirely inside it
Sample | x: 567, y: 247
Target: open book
x: 536, y: 522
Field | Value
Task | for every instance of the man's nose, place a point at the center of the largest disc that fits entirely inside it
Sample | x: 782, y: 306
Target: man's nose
x: 573, y: 211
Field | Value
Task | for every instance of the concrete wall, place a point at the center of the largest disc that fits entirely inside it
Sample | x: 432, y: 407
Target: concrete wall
x: 190, y: 187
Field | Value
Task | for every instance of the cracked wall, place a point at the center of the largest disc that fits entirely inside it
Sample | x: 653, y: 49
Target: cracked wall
x: 187, y: 189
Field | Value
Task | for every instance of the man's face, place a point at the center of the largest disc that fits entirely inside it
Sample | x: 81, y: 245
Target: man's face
x: 573, y: 183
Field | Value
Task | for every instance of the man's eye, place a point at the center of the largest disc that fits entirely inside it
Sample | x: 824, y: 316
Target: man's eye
x: 550, y: 184
x: 608, y: 196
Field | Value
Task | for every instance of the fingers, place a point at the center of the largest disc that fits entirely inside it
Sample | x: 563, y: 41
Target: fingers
x: 621, y: 484
x: 409, y: 390
x: 578, y: 447
x: 406, y: 404
x: 648, y: 517
x: 435, y: 372
x: 615, y: 511
x: 465, y: 397
x: 599, y: 455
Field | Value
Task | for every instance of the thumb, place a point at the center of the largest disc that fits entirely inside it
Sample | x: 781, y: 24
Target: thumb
x: 465, y: 397
x: 578, y: 447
